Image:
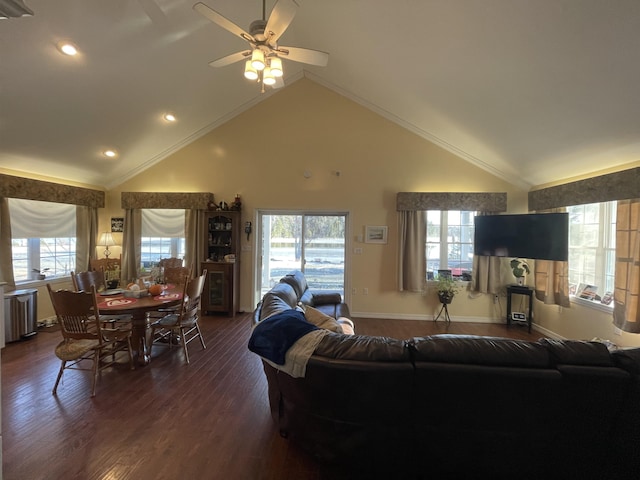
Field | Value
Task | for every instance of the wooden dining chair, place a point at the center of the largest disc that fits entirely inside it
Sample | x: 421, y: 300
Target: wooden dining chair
x: 177, y: 275
x: 183, y: 323
x: 171, y: 262
x: 105, y: 264
x: 83, y: 337
x: 84, y: 281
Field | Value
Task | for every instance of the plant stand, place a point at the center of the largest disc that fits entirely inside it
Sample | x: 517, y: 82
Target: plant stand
x: 446, y: 316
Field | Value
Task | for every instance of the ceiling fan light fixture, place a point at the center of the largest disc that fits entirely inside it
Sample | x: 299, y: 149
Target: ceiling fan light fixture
x: 267, y: 77
x: 250, y: 73
x: 257, y: 59
x: 276, y: 67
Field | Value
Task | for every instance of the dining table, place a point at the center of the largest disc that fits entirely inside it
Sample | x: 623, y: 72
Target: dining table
x: 115, y: 302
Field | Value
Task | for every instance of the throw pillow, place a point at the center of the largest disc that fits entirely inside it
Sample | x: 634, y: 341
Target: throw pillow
x: 321, y: 320
x: 347, y: 325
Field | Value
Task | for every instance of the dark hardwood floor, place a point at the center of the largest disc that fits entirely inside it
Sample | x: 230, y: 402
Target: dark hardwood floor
x: 167, y: 420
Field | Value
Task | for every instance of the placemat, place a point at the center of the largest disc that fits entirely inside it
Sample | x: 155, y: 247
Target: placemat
x: 117, y: 302
x: 168, y: 297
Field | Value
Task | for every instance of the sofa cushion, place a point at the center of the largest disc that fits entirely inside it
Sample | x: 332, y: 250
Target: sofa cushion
x: 577, y: 352
x: 297, y: 280
x: 306, y: 297
x: 476, y: 350
x: 627, y: 359
x: 279, y: 298
x: 362, y: 348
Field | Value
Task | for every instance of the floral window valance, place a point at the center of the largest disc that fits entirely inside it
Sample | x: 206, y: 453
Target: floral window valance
x: 30, y: 189
x: 480, y: 202
x: 181, y: 200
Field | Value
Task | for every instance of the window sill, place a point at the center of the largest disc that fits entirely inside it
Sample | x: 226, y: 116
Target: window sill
x: 591, y: 304
x: 41, y: 283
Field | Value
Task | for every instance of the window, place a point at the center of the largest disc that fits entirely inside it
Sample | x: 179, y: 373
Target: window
x: 592, y: 246
x: 162, y: 235
x: 449, y: 241
x: 43, y: 238
x: 313, y: 243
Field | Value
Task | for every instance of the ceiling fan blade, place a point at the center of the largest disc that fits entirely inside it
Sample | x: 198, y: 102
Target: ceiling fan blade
x: 304, y: 55
x: 218, y: 19
x: 279, y: 19
x: 153, y: 11
x: 229, y: 59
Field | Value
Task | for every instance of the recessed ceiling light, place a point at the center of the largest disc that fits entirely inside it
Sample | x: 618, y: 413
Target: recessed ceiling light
x: 67, y: 48
x: 169, y: 117
x: 110, y: 153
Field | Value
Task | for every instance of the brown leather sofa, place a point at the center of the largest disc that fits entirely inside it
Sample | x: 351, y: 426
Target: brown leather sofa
x: 453, y: 406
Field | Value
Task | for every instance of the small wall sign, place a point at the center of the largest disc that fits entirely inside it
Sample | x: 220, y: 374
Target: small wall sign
x: 117, y: 224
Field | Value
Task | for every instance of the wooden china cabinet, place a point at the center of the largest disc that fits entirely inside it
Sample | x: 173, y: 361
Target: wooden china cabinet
x: 222, y: 245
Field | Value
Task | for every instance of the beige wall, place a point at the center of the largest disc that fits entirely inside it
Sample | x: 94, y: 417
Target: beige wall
x: 582, y: 322
x: 262, y: 155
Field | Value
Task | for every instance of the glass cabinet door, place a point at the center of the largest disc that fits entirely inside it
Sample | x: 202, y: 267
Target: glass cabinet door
x: 217, y: 291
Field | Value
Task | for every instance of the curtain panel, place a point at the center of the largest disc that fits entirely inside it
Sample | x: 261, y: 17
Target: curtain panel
x: 6, y: 261
x: 131, y: 246
x: 627, y: 276
x: 551, y: 278
x: 412, y: 262
x: 86, y: 235
x: 195, y: 238
x: 485, y: 272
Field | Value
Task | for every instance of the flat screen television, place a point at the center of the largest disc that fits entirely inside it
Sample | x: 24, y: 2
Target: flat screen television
x: 534, y: 236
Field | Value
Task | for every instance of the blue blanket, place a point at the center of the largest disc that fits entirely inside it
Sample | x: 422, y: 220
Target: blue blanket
x: 272, y: 337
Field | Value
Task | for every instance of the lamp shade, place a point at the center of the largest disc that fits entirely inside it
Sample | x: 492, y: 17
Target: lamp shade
x: 257, y: 59
x: 276, y: 67
x: 106, y: 240
x: 267, y: 76
x: 250, y: 73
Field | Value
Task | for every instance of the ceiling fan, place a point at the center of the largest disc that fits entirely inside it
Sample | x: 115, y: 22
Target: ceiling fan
x: 263, y: 61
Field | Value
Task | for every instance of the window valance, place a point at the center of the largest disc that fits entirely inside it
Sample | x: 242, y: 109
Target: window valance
x: 181, y: 200
x: 30, y: 189
x: 623, y: 185
x: 480, y: 201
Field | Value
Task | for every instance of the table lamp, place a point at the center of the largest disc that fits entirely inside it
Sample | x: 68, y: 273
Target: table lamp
x: 106, y: 240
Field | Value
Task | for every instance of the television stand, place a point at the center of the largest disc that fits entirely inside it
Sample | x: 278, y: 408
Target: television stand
x: 519, y: 290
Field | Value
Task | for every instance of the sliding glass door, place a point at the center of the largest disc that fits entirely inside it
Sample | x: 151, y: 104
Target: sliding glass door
x: 313, y: 243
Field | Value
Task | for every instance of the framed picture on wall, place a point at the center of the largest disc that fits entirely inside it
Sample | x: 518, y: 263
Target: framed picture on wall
x: 375, y: 234
x: 117, y: 224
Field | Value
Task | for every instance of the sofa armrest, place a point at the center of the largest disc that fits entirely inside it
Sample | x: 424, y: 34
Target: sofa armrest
x: 325, y: 298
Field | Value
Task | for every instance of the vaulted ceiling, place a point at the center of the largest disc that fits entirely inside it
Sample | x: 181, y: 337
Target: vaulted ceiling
x: 532, y: 90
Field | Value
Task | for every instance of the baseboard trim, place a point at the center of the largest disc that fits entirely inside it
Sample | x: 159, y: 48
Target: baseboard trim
x: 462, y: 319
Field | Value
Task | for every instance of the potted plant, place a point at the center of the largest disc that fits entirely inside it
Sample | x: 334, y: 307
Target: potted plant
x: 447, y: 288
x: 41, y: 273
x: 519, y: 268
